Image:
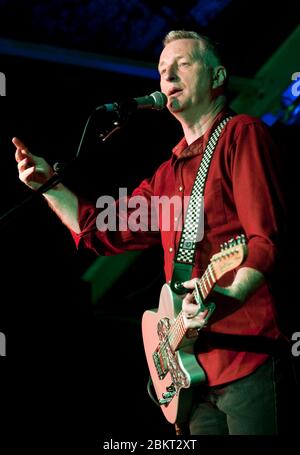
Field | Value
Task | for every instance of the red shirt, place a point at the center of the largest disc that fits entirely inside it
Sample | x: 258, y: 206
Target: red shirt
x: 240, y: 196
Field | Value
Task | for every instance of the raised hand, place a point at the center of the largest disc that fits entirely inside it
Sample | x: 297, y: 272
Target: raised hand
x: 34, y: 170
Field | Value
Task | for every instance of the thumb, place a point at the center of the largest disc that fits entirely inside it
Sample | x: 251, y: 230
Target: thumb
x: 190, y: 284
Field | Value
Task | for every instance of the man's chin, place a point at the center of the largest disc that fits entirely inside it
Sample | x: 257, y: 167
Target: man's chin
x: 175, y: 106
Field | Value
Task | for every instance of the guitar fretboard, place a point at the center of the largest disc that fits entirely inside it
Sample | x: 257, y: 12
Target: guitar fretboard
x: 178, y: 329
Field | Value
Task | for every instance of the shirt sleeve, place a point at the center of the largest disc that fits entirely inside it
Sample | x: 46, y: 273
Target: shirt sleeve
x: 123, y: 225
x: 257, y: 194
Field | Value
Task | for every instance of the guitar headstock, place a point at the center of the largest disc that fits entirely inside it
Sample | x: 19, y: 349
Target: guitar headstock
x: 231, y: 255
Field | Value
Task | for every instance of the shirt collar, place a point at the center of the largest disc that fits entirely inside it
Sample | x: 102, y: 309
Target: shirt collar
x: 182, y: 150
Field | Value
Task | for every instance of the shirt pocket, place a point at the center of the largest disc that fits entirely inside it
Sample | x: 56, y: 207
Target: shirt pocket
x: 214, y: 207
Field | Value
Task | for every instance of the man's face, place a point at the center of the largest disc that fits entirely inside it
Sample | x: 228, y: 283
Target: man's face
x: 185, y: 79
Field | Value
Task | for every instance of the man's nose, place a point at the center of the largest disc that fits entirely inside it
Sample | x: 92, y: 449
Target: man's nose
x: 171, y: 74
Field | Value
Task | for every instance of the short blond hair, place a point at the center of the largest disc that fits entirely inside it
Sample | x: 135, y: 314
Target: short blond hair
x: 211, y: 55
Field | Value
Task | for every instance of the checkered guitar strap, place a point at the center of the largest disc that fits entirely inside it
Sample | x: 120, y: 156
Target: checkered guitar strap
x: 185, y: 257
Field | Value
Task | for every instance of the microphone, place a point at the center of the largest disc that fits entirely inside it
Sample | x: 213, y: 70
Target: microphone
x: 156, y: 100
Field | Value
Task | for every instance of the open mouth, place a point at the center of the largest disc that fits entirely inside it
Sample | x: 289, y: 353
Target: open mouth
x: 174, y: 91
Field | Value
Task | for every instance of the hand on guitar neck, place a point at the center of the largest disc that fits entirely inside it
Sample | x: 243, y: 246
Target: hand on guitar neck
x: 194, y: 318
x: 227, y: 299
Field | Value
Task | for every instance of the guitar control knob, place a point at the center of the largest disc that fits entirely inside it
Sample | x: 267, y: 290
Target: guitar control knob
x: 171, y: 388
x: 168, y: 395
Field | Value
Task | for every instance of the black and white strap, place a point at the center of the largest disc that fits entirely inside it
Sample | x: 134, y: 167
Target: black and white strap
x: 188, y: 240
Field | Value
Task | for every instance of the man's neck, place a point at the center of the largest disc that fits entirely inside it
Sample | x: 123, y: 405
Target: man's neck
x: 197, y: 127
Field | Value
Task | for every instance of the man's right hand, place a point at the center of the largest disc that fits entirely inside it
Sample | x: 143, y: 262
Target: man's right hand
x: 34, y: 170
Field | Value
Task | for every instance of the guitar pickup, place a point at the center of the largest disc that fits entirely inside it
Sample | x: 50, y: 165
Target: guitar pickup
x: 159, y: 363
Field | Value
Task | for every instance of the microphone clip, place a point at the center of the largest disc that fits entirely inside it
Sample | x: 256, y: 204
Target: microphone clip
x: 108, y: 133
x: 118, y: 116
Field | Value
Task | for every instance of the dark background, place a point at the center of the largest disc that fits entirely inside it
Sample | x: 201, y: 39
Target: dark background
x: 79, y: 368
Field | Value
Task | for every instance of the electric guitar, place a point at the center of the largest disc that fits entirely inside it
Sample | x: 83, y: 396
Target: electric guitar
x: 168, y: 344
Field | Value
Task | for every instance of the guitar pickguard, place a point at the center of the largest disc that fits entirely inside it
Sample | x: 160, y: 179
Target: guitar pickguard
x: 166, y: 361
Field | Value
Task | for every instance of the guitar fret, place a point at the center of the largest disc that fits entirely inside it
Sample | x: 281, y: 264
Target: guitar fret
x: 208, y: 279
x: 206, y: 291
x: 210, y: 270
x: 201, y: 288
x: 178, y: 330
x: 173, y: 336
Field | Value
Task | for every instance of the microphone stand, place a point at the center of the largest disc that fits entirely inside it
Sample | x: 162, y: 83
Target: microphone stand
x: 123, y: 112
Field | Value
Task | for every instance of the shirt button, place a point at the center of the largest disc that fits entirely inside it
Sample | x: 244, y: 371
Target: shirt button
x: 175, y: 219
x: 180, y: 188
x: 171, y: 249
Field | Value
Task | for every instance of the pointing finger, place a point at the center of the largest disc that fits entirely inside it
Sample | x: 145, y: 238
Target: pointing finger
x: 18, y: 143
x: 21, y: 149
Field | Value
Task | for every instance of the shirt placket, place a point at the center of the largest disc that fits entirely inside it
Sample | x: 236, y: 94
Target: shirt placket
x: 179, y: 191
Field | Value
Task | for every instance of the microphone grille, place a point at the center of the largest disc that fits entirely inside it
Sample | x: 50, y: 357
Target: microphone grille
x: 160, y: 100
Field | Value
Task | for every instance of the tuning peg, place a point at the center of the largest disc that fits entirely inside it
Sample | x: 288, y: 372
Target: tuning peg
x: 241, y: 239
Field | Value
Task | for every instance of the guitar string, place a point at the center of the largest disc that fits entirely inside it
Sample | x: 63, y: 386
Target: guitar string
x: 174, y: 335
x: 178, y: 329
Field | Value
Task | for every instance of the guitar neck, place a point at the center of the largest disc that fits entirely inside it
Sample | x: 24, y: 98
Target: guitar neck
x: 178, y: 330
x: 206, y: 282
x: 231, y: 256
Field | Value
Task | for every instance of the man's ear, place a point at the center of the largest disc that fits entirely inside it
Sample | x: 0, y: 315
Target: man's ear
x: 220, y: 75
